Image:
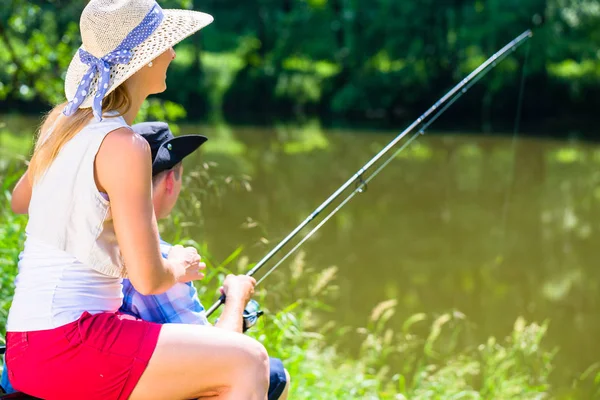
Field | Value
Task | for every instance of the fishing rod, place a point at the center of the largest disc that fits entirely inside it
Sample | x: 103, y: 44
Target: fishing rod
x: 361, y: 183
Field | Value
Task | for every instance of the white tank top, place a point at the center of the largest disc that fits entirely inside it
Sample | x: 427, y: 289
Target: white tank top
x: 71, y: 262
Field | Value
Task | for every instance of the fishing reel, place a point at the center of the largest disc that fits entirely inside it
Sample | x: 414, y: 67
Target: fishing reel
x: 251, y: 314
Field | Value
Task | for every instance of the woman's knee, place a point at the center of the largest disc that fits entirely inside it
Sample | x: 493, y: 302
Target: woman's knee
x: 251, y: 368
x: 259, y: 358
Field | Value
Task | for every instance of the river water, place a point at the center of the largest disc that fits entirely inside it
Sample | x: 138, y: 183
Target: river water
x: 493, y: 227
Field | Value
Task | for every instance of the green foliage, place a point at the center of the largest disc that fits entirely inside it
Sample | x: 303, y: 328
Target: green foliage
x: 375, y: 59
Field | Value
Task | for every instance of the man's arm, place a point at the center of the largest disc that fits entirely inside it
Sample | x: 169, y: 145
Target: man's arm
x: 231, y: 318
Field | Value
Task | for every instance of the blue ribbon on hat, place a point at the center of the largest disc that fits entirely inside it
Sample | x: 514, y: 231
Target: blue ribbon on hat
x: 120, y: 55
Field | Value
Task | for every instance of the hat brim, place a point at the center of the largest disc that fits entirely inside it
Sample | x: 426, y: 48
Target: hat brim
x: 182, y: 146
x: 175, y: 26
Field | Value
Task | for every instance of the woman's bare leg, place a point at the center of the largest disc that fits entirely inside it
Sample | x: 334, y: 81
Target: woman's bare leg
x: 193, y: 361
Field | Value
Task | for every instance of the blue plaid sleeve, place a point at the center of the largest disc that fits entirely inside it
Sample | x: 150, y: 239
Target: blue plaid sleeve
x: 180, y: 304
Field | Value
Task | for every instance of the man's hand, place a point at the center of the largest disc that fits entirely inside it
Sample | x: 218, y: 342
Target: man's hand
x: 238, y: 290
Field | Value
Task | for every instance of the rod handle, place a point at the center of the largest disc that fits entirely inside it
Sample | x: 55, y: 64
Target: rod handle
x: 215, y: 306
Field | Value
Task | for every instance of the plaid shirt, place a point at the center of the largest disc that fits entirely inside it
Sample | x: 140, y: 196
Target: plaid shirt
x: 180, y: 304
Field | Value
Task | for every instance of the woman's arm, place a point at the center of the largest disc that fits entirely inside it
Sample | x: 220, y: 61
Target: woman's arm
x: 21, y: 195
x: 124, y: 171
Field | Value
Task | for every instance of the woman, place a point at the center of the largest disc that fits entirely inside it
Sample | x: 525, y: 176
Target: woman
x: 91, y: 222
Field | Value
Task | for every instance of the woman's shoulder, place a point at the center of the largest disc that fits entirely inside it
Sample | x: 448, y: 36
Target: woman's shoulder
x: 124, y: 140
x: 123, y: 155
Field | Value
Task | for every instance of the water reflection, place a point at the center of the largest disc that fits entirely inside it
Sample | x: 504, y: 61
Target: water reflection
x: 492, y: 227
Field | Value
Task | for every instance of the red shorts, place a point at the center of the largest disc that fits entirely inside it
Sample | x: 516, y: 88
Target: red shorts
x: 99, y: 356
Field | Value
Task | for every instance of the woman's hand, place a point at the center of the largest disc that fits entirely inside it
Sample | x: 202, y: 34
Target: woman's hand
x: 186, y: 261
x: 238, y: 288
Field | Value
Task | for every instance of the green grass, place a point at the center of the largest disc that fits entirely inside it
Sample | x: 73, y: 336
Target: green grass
x: 389, y: 364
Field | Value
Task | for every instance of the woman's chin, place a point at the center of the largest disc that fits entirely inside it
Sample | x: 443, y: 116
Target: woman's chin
x: 159, y: 89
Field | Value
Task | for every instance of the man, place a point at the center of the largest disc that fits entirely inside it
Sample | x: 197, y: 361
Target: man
x: 181, y: 304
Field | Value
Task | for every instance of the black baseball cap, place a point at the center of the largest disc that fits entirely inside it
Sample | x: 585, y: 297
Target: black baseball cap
x: 167, y: 150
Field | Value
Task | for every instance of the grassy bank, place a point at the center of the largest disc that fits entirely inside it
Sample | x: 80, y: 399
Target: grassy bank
x: 431, y: 357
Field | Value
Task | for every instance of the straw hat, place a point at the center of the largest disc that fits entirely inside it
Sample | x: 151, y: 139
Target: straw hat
x: 119, y: 38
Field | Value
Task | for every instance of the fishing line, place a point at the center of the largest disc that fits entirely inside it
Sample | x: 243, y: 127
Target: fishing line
x: 513, y: 146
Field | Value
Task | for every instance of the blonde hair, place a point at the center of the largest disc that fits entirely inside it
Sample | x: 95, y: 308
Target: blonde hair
x: 49, y: 144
